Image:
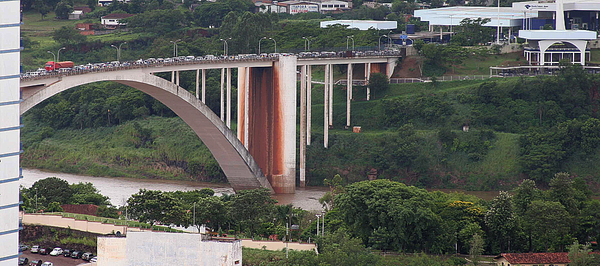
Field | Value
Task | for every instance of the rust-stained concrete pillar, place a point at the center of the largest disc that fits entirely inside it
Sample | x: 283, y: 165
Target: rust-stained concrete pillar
x: 229, y: 97
x: 368, y: 77
x: 223, y: 94
x: 204, y: 86
x: 177, y: 78
x: 326, y: 109
x: 303, y: 126
x: 267, y: 119
x: 308, y: 103
x: 348, y: 94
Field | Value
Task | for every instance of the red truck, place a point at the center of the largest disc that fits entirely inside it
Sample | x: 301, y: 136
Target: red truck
x: 55, y: 66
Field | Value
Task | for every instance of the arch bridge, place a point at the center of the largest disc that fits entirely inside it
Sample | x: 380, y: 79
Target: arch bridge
x: 263, y: 152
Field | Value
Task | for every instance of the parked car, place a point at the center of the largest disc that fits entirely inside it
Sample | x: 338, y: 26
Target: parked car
x: 76, y: 254
x: 94, y: 259
x: 67, y: 252
x: 47, y: 263
x: 56, y: 252
x: 36, y: 263
x: 44, y: 251
x: 35, y: 249
x: 87, y: 256
x: 23, y: 247
x: 23, y: 261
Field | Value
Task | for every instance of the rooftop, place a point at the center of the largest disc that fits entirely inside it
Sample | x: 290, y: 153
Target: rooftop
x: 455, y: 14
x: 558, y: 34
x: 535, y: 258
x: 117, y: 16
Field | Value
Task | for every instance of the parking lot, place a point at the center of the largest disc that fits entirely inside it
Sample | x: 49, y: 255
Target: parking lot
x: 56, y: 260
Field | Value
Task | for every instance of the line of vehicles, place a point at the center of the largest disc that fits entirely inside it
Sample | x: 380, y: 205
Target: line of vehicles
x: 68, y: 67
x: 57, y: 251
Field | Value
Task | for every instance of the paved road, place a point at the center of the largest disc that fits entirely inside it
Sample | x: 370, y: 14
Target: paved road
x: 58, y: 260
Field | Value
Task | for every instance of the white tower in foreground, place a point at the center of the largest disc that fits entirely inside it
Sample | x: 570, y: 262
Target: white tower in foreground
x: 10, y: 23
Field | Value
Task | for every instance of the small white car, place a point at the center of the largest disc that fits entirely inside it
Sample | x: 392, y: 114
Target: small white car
x: 56, y: 252
x: 47, y: 263
x: 94, y: 259
x: 35, y: 249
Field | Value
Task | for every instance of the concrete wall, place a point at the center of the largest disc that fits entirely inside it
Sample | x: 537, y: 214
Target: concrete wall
x: 80, y: 225
x: 276, y: 245
x: 158, y: 249
x: 9, y: 131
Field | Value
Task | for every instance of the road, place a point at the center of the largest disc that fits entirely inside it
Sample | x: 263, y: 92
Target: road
x: 57, y: 261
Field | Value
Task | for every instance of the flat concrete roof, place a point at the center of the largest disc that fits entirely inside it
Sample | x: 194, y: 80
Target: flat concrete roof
x: 454, y: 15
x: 363, y: 24
x: 582, y: 5
x: 558, y: 34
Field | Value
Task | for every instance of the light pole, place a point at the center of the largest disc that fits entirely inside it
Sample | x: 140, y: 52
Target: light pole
x: 175, y: 46
x: 194, y: 221
x: 275, y: 44
x: 58, y: 53
x: 306, y: 40
x: 323, y: 227
x: 380, y: 41
x: 287, y: 236
x: 117, y: 48
x: 119, y: 59
x: 347, y: 41
x: 53, y: 55
x: 318, y: 216
x: 259, y: 44
x: 225, y: 45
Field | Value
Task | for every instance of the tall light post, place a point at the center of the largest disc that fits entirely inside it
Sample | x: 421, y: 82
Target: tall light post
x: 347, y: 41
x: 318, y: 216
x: 194, y: 221
x: 380, y: 41
x: 58, y: 53
x: 259, y: 44
x: 275, y: 44
x: 306, y: 40
x: 175, y: 46
x: 323, y: 227
x: 225, y: 46
x: 53, y: 55
x: 117, y: 48
x: 120, y: 50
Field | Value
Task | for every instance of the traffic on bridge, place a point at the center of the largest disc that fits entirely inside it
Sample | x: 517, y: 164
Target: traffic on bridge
x: 68, y: 68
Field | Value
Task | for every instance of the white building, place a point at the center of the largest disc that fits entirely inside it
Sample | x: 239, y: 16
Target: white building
x: 296, y: 7
x: 10, y: 60
x: 333, y: 5
x: 76, y: 14
x: 108, y: 2
x: 158, y: 249
x: 273, y: 7
x: 363, y: 24
x: 113, y: 20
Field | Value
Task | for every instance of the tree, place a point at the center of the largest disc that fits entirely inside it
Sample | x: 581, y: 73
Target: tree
x: 551, y: 225
x: 211, y: 211
x: 501, y: 221
x: 54, y: 207
x: 379, y: 83
x: 153, y: 206
x: 472, y: 32
x: 580, y: 255
x: 86, y: 193
x: 52, y: 189
x: 249, y: 207
x: 42, y: 8
x: 68, y: 36
x: 63, y: 10
x: 335, y: 187
x: 476, y: 249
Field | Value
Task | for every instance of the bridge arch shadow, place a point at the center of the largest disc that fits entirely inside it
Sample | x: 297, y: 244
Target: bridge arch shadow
x: 237, y: 163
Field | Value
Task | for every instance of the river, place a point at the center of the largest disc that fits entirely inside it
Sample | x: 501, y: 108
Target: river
x: 119, y: 189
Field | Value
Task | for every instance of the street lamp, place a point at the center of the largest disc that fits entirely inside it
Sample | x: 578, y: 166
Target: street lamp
x: 348, y: 39
x: 58, y: 53
x: 380, y: 41
x: 117, y: 48
x: 275, y: 44
x: 259, y: 44
x: 225, y: 45
x: 306, y: 40
x: 175, y: 46
x: 323, y: 227
x: 318, y: 216
x: 53, y: 55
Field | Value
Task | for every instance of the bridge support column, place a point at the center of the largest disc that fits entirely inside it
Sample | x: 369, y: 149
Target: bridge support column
x: 348, y: 94
x: 331, y: 82
x: 198, y: 83
x: 267, y: 119
x: 177, y: 78
x: 223, y: 94
x: 308, y: 103
x: 204, y: 86
x: 303, y: 126
x: 173, y: 76
x: 368, y: 77
x: 326, y: 108
x: 229, y: 97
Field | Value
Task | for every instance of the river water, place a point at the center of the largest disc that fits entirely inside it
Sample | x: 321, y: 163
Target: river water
x: 120, y: 189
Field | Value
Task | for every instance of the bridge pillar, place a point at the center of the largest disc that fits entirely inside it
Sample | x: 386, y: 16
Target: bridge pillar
x: 267, y: 120
x: 308, y: 103
x: 331, y: 82
x: 303, y: 126
x: 198, y: 83
x: 204, y: 86
x: 223, y: 94
x: 348, y: 94
x: 229, y: 97
x: 368, y: 77
x: 326, y: 108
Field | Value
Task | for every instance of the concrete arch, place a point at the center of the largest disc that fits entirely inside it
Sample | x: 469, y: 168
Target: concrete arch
x: 239, y: 166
